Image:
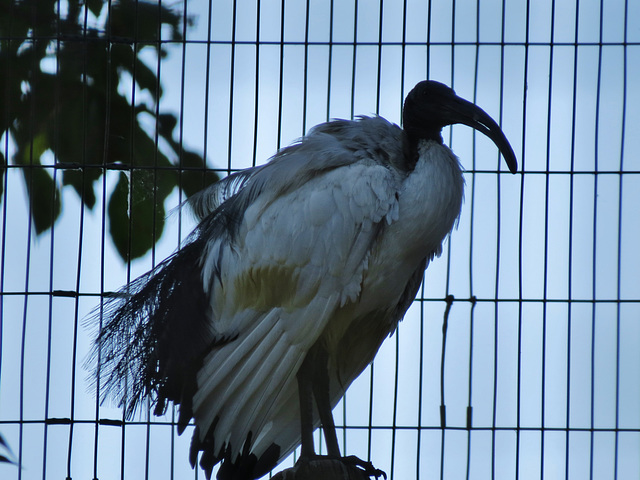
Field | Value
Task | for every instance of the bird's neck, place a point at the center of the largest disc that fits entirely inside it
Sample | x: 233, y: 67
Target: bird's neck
x: 417, y: 138
x: 423, y: 133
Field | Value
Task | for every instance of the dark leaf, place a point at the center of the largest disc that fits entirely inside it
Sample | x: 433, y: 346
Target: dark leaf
x: 17, y: 18
x: 14, y: 22
x: 195, y: 176
x: 146, y: 79
x: 12, y: 70
x: 82, y: 115
x: 166, y: 123
x: 95, y: 6
x: 136, y: 212
x: 141, y: 21
x: 44, y: 197
x: 82, y: 182
x: 119, y: 226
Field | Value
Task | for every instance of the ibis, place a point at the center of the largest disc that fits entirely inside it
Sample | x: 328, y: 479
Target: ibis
x: 296, y: 273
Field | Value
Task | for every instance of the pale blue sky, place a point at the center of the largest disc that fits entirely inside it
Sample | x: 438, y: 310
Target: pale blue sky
x: 561, y: 108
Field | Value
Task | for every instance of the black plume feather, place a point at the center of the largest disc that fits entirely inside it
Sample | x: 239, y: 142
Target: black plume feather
x: 154, y: 336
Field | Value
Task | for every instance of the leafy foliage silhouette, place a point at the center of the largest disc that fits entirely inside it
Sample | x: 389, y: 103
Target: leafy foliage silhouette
x: 70, y: 90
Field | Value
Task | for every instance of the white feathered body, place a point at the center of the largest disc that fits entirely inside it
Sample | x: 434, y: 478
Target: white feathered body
x: 327, y: 261
x: 326, y: 243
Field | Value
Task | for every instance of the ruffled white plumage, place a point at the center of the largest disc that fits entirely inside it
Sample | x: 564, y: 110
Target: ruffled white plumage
x: 283, y: 279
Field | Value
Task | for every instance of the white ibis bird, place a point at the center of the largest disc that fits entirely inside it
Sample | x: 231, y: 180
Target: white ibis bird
x: 296, y: 273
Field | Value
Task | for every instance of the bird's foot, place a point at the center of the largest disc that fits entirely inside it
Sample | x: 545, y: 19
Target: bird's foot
x: 367, y: 467
x: 318, y: 462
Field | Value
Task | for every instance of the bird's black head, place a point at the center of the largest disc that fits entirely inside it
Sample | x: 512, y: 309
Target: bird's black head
x: 430, y: 106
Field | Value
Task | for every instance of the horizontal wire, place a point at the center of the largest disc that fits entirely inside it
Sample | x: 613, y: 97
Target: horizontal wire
x: 112, y: 294
x: 321, y: 43
x: 121, y: 167
x: 163, y: 423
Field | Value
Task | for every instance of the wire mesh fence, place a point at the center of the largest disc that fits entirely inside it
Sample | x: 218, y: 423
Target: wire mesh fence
x: 537, y: 374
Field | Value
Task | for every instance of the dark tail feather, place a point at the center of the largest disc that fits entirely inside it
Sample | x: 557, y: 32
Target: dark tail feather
x: 154, y: 335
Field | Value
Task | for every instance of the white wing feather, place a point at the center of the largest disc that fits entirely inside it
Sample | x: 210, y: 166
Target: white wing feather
x: 295, y: 261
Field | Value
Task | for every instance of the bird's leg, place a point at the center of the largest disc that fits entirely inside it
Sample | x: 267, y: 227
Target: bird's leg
x: 305, y: 393
x: 313, y: 382
x: 323, y: 401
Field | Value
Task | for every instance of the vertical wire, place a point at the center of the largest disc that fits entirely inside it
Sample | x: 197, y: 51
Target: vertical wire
x: 428, y: 39
x: 25, y: 308
x: 352, y: 115
x: 103, y: 229
x: 327, y: 116
x: 571, y: 226
x: 256, y: 91
x: 133, y: 168
x: 132, y: 171
x: 595, y: 244
x: 179, y: 172
x: 156, y: 134
x: 207, y: 85
x: 420, y: 380
x: 154, y: 201
x: 497, y: 267
x: 132, y: 157
x: 472, y: 207
x: 232, y: 77
x: 372, y: 369
x: 521, y: 240
x: 354, y: 58
x: 183, y: 68
x: 329, y: 62
x: 619, y: 240
x: 397, y: 332
x: 305, y: 99
x: 380, y: 46
x: 545, y: 274
x: 422, y: 288
x: 47, y: 388
x: 80, y: 251
x: 5, y: 185
x: 394, y: 421
x: 329, y: 74
x: 281, y: 78
x: 394, y: 418
x: 448, y: 296
x: 305, y: 69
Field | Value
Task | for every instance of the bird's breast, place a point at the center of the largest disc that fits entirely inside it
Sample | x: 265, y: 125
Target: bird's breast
x: 429, y: 205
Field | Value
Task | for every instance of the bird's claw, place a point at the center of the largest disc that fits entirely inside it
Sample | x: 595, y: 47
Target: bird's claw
x: 367, y: 467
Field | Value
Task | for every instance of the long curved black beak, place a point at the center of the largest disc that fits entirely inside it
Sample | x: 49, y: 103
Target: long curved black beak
x: 467, y: 113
